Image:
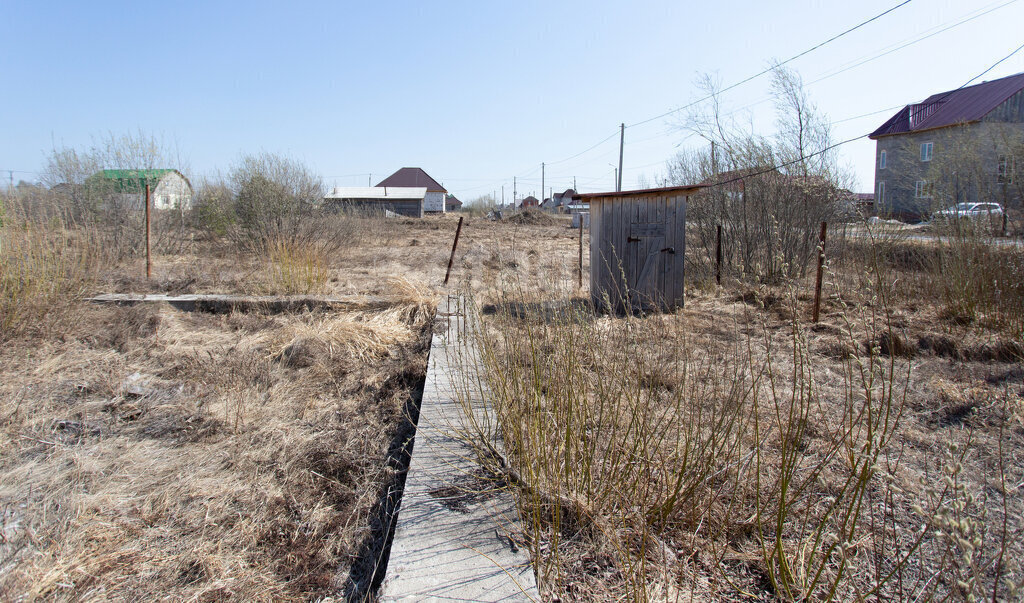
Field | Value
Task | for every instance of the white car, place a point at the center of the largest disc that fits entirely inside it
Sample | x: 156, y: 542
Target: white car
x: 971, y: 211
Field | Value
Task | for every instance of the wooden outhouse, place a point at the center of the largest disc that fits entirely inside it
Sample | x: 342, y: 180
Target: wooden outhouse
x: 637, y: 246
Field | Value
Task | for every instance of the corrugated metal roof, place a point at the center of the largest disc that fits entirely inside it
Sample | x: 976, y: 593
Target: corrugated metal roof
x: 378, y: 192
x: 410, y: 176
x: 133, y: 181
x: 668, y: 190
x: 952, y: 107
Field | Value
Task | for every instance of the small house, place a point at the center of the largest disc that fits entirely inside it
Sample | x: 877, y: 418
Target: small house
x: 530, y: 201
x: 414, y: 177
x: 451, y: 203
x: 168, y: 189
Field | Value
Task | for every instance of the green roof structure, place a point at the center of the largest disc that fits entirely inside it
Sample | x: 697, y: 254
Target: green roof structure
x: 130, y: 181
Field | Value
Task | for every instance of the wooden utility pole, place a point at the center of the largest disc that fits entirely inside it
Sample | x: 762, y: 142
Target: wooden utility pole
x: 451, y: 259
x: 513, y: 192
x: 622, y: 141
x: 821, y: 269
x: 149, y: 258
x: 542, y: 182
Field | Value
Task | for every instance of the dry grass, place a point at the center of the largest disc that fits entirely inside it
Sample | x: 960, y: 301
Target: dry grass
x: 244, y: 459
x: 297, y: 267
x: 156, y: 454
x: 43, y: 272
x: 732, y: 450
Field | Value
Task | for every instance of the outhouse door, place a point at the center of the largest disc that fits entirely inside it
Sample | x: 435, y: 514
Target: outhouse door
x: 647, y: 256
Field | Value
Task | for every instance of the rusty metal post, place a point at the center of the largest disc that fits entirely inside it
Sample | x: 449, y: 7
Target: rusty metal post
x: 451, y: 259
x: 149, y: 258
x: 718, y: 256
x: 821, y: 270
x: 580, y: 267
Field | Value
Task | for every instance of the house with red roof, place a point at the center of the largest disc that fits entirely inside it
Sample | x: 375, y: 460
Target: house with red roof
x: 414, y: 177
x: 952, y: 147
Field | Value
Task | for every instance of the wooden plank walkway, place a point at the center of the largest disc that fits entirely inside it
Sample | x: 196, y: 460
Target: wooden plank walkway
x: 455, y: 537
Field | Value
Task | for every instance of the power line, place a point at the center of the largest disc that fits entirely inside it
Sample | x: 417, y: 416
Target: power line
x: 892, y: 49
x: 993, y: 66
x: 849, y: 140
x: 770, y: 69
x: 590, y: 148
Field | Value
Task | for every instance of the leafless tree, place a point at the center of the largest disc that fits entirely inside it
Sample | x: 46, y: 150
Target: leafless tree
x: 769, y: 194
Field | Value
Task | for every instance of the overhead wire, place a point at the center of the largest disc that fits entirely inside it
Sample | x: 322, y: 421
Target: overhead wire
x: 849, y: 140
x: 776, y: 65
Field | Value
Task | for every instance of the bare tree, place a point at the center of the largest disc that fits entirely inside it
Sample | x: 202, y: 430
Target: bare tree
x: 80, y: 195
x: 769, y: 194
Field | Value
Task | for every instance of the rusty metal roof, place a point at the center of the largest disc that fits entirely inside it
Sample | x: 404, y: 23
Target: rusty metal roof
x: 645, y: 192
x: 412, y: 176
x: 963, y: 105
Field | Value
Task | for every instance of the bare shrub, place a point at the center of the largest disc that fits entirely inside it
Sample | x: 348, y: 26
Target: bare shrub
x: 769, y: 195
x: 277, y: 199
x: 44, y: 271
x: 79, y: 196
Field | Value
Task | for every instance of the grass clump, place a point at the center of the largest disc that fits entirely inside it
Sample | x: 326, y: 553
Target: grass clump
x: 297, y: 267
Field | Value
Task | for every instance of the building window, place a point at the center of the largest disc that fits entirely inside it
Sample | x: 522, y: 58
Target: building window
x: 880, y: 195
x: 881, y: 160
x: 926, y: 151
x: 1004, y: 171
x: 922, y: 189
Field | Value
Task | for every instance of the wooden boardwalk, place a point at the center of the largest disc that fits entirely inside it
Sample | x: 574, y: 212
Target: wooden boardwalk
x: 456, y: 533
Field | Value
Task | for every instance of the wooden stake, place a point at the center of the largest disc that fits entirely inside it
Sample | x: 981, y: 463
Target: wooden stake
x: 451, y: 259
x: 580, y: 273
x: 718, y: 256
x: 149, y: 258
x: 821, y: 270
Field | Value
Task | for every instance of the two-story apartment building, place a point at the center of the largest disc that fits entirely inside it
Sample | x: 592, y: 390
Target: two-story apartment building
x: 956, y: 146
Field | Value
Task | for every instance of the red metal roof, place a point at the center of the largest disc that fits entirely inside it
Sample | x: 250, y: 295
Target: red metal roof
x: 952, y: 107
x: 410, y: 176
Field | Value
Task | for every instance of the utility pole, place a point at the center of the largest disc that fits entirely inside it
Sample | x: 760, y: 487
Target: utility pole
x: 574, y: 183
x: 542, y: 182
x: 622, y: 141
x: 503, y: 194
x: 369, y: 179
x: 513, y: 192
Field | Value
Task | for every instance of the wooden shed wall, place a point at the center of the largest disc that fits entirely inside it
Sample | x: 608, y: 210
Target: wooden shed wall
x: 638, y: 245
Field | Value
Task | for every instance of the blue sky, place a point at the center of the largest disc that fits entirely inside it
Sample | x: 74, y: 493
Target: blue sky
x: 473, y: 92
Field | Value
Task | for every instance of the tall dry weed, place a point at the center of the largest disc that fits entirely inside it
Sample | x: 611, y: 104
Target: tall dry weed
x: 649, y: 446
x: 297, y: 267
x: 44, y: 270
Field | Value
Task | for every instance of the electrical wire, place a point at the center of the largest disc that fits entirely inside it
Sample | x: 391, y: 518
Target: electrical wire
x: 849, y: 140
x: 770, y: 69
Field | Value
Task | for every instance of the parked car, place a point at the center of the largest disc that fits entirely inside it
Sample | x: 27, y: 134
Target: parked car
x: 991, y: 212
